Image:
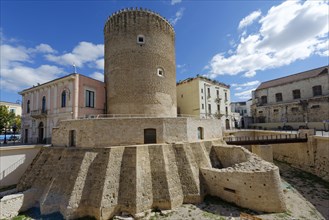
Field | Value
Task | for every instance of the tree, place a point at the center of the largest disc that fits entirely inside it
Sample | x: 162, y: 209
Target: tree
x: 7, y: 118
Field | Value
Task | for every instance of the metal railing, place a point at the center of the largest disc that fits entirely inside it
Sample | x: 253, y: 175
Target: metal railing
x: 101, y: 116
x: 11, y: 168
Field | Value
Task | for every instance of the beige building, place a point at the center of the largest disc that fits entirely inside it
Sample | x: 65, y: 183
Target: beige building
x: 299, y: 99
x: 205, y: 98
x: 16, y: 108
x: 69, y: 97
x: 242, y: 113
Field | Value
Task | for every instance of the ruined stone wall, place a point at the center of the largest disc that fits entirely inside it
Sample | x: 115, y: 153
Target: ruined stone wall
x: 131, y: 68
x: 102, y: 182
x: 312, y: 156
x: 130, y: 131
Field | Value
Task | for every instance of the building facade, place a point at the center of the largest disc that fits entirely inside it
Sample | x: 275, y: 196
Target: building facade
x: 15, y: 108
x: 244, y: 118
x: 206, y: 98
x: 69, y: 97
x: 301, y: 98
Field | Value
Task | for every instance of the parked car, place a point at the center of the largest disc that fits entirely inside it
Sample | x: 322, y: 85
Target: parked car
x: 16, y: 137
x: 303, y: 127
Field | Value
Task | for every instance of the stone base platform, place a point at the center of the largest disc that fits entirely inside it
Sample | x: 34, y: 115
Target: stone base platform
x: 102, y: 182
x: 105, y: 132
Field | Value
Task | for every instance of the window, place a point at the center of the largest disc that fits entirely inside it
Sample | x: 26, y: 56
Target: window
x: 296, y: 94
x: 225, y: 96
x: 160, y: 71
x: 202, y: 106
x: 263, y: 99
x: 200, y: 133
x: 317, y: 90
x: 28, y: 106
x: 226, y: 111
x: 43, y: 109
x: 63, y: 99
x: 12, y: 110
x: 208, y: 90
x: 201, y: 90
x: 90, y: 99
x: 278, y: 97
x: 150, y: 136
x: 141, y: 39
x: 209, y: 108
x: 218, y: 108
x: 217, y: 93
x: 72, y: 138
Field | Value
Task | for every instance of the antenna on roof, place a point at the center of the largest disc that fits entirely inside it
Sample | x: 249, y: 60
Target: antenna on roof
x: 75, y: 68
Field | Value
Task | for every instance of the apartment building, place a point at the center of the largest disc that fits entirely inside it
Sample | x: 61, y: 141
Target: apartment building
x: 15, y: 108
x: 243, y: 118
x: 300, y: 98
x: 69, y: 97
x: 206, y: 98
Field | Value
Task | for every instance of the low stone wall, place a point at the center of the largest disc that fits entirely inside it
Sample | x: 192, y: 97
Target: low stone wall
x: 129, y: 131
x: 101, y: 182
x: 14, y: 161
x: 11, y: 205
x: 252, y: 183
x: 312, y: 156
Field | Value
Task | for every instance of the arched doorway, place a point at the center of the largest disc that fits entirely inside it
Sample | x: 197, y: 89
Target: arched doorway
x: 227, y: 124
x: 40, y: 137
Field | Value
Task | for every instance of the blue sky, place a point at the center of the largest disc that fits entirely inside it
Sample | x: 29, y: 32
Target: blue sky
x: 241, y: 43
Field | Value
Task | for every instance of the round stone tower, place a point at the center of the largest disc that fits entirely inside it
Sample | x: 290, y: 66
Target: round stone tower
x: 140, y: 69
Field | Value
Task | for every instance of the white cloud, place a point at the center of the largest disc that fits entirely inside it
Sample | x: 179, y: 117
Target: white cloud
x: 178, y: 16
x: 44, y: 48
x: 173, y: 2
x: 293, y: 30
x: 252, y: 83
x: 100, y: 64
x: 249, y: 19
x: 16, y: 62
x: 84, y: 52
x: 10, y: 55
x: 245, y: 95
x: 20, y: 77
x: 98, y: 76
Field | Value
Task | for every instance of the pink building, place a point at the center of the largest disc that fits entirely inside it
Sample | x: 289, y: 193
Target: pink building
x: 69, y: 97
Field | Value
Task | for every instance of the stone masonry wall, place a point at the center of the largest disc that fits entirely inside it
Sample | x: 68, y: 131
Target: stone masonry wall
x: 312, y: 156
x: 102, y: 182
x: 133, y: 84
x: 108, y: 132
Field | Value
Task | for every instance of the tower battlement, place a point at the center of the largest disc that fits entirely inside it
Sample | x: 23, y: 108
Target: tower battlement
x: 119, y: 20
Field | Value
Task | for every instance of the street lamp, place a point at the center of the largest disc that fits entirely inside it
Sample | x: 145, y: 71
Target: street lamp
x: 14, y: 130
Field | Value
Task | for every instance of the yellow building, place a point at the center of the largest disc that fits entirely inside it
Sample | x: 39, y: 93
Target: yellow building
x: 13, y: 107
x: 206, y: 98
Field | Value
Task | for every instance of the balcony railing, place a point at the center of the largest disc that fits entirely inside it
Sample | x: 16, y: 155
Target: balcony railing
x: 39, y: 113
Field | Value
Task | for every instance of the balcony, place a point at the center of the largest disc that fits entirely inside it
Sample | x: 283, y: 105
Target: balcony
x: 39, y: 113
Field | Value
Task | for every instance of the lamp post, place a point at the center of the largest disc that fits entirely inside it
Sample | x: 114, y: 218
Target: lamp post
x: 14, y: 130
x: 5, y: 140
